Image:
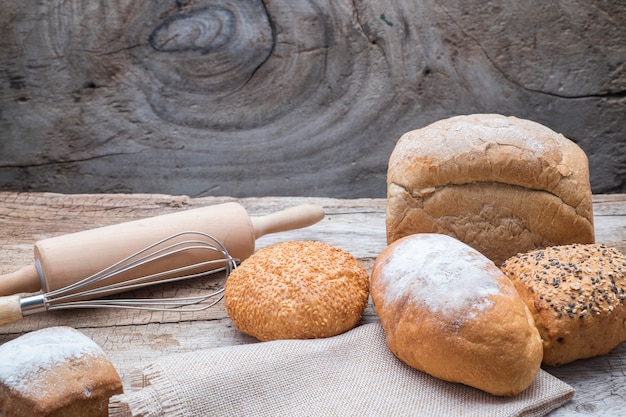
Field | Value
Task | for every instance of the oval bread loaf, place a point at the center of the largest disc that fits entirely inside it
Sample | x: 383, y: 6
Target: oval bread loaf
x: 576, y: 294
x: 297, y: 290
x: 449, y: 311
x: 502, y: 185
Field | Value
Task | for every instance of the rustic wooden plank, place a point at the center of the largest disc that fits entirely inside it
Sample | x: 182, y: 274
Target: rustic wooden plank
x: 287, y: 97
x: 133, y: 338
x: 610, y: 219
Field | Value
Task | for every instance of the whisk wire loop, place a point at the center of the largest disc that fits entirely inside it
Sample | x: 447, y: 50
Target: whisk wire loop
x: 81, y: 294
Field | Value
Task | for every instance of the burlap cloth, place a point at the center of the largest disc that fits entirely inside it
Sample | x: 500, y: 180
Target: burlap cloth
x: 353, y: 374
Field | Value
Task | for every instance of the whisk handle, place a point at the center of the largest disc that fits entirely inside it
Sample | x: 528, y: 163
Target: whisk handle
x: 25, y: 279
x: 10, y: 309
x: 288, y: 219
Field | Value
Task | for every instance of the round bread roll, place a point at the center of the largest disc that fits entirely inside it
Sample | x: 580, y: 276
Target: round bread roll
x: 449, y: 311
x: 55, y: 372
x: 502, y: 185
x: 297, y: 290
x: 576, y: 294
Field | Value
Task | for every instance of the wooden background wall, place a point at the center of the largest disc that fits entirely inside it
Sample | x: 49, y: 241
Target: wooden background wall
x: 290, y: 97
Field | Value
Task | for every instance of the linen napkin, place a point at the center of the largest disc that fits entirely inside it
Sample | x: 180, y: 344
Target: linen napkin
x: 353, y: 374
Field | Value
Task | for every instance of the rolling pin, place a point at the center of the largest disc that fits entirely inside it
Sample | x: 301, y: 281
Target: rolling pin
x: 64, y: 260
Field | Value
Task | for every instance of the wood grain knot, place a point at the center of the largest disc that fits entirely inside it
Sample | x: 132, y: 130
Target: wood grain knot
x: 235, y: 66
x: 204, y: 30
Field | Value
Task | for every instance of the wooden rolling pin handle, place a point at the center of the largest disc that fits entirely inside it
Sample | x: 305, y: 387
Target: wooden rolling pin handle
x: 23, y: 280
x: 288, y: 219
x: 10, y: 309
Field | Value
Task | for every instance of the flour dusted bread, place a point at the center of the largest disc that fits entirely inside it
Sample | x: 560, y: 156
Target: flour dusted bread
x: 576, y: 294
x: 502, y: 185
x: 297, y: 290
x: 55, y: 372
x: 449, y: 311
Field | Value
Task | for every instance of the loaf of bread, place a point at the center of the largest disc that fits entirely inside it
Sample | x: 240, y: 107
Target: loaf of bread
x: 297, y: 290
x: 55, y: 372
x: 502, y: 185
x: 449, y: 311
x: 576, y: 294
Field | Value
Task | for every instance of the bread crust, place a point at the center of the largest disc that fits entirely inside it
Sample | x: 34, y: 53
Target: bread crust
x: 492, y: 182
x: 297, y: 290
x: 56, y: 372
x: 576, y: 294
x: 450, y: 312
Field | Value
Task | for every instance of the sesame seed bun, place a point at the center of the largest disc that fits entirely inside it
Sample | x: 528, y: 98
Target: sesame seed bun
x: 297, y: 290
x: 576, y: 294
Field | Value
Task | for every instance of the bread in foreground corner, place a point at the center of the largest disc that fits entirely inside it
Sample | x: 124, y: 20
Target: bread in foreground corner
x: 55, y: 372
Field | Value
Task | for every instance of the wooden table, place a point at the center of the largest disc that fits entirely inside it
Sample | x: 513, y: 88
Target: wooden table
x: 135, y: 338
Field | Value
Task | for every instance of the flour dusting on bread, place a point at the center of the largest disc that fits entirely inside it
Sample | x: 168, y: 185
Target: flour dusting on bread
x: 441, y: 273
x: 41, y: 350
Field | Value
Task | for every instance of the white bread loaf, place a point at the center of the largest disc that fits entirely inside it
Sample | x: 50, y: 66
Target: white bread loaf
x: 577, y: 295
x: 450, y: 312
x: 502, y: 185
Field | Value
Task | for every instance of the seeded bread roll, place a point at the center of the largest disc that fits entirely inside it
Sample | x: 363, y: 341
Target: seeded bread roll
x: 576, y: 294
x: 449, y: 311
x: 55, y: 372
x: 502, y: 185
x: 297, y: 290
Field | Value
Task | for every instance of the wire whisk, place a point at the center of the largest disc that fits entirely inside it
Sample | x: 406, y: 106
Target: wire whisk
x: 171, y: 259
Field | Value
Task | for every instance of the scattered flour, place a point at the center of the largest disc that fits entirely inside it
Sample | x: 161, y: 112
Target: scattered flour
x: 440, y: 273
x: 26, y: 355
